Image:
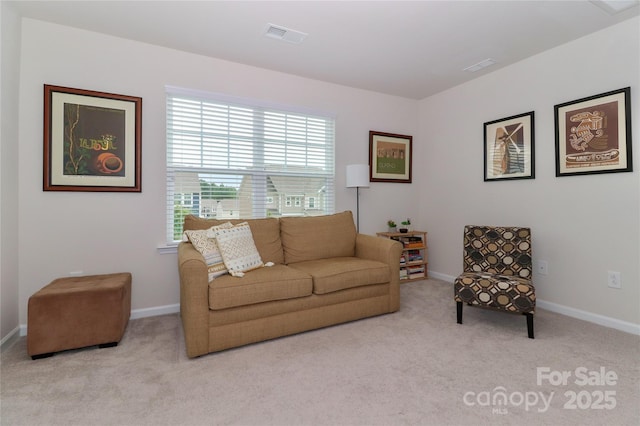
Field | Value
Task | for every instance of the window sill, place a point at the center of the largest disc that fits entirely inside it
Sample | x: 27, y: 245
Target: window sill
x: 168, y: 249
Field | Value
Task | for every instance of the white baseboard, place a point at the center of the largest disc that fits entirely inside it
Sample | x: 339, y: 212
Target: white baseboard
x: 155, y: 311
x: 135, y: 314
x: 11, y: 337
x: 439, y: 276
x: 617, y: 324
x: 627, y: 327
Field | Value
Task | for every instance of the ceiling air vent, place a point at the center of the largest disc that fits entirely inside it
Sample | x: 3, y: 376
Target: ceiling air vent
x: 480, y: 65
x: 281, y: 33
x: 613, y: 7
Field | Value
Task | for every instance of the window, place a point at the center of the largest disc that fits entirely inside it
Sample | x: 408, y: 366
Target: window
x: 293, y: 201
x: 230, y: 159
x: 311, y: 202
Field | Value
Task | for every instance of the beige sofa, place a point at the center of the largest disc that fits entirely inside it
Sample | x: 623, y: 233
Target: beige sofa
x: 324, y: 273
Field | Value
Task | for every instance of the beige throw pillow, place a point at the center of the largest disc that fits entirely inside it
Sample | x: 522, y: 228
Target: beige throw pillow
x: 208, y: 248
x: 237, y: 247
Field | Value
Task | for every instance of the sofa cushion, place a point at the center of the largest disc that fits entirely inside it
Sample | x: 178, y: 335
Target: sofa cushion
x: 317, y: 237
x: 278, y: 282
x: 340, y: 273
x: 266, y: 234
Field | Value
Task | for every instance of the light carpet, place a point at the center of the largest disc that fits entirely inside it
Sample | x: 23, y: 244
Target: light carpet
x: 413, y: 367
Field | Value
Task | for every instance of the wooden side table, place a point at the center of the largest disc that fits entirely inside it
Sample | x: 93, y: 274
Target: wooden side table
x: 413, y: 261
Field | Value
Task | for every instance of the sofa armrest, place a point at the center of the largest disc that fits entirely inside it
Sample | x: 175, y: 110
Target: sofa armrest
x: 387, y: 251
x: 194, y: 299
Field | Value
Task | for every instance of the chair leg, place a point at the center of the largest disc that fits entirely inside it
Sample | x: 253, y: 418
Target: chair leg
x: 459, y: 312
x: 530, y: 325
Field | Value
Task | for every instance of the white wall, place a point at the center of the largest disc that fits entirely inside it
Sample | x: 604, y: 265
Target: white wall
x: 110, y: 232
x: 582, y: 225
x: 9, y: 77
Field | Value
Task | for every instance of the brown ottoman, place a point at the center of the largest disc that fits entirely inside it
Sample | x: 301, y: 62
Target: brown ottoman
x: 75, y: 312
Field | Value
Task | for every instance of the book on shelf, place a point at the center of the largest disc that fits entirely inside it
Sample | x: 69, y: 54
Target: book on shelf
x: 412, y: 245
x: 412, y: 242
x: 413, y: 257
x: 409, y: 239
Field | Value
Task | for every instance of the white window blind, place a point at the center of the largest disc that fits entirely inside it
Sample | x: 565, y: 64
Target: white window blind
x: 234, y: 160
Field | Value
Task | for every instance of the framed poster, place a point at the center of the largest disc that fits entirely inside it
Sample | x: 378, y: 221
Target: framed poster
x: 92, y: 141
x: 509, y: 146
x: 593, y: 135
x: 390, y: 157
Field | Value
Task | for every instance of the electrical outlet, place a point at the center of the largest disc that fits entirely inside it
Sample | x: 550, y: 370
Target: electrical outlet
x: 76, y: 273
x: 543, y: 267
x: 614, y: 280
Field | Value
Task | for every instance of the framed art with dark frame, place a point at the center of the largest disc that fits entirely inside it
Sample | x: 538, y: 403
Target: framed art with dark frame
x: 593, y: 135
x: 509, y: 147
x: 390, y: 157
x: 92, y: 141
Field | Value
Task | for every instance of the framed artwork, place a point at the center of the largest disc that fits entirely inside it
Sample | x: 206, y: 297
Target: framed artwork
x: 92, y: 141
x: 509, y: 147
x: 593, y: 135
x: 390, y: 157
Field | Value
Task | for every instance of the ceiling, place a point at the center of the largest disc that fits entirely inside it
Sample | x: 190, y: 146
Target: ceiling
x: 411, y: 49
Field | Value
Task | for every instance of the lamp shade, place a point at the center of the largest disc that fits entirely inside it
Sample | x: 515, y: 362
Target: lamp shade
x: 357, y: 176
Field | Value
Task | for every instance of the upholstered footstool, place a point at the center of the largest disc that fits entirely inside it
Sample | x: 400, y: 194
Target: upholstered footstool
x: 76, y: 312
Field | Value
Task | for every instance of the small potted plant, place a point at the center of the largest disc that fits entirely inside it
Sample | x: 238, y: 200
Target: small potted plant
x: 406, y: 226
x: 392, y: 225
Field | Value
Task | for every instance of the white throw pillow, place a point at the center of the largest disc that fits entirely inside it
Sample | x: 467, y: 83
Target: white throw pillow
x: 237, y: 247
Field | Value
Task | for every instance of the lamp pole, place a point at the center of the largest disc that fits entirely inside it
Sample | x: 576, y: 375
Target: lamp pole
x: 357, y: 209
x: 358, y: 177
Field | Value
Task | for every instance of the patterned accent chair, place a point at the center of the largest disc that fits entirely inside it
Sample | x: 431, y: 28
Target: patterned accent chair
x: 497, y: 271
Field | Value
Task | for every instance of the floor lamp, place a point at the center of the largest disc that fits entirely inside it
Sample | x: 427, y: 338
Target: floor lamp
x: 357, y: 177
